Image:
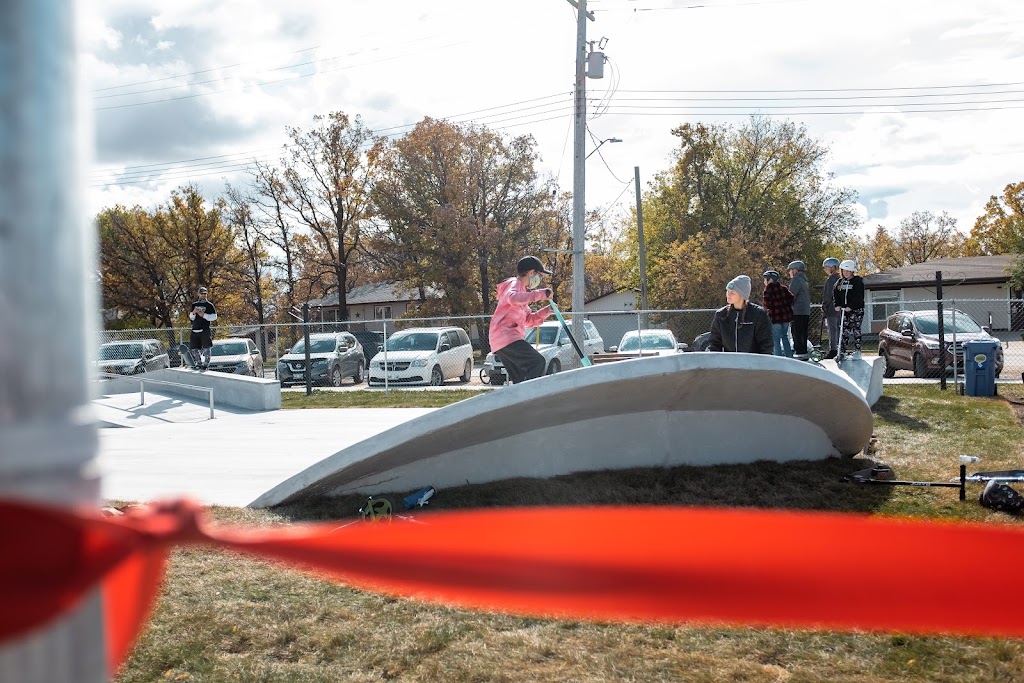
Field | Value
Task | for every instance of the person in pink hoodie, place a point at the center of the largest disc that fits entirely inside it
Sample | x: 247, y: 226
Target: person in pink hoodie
x: 512, y: 316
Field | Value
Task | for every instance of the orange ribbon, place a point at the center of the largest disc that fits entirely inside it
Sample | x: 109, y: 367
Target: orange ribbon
x: 749, y: 567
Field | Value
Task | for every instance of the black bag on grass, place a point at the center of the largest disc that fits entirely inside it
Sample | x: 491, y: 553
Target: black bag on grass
x: 1001, y: 497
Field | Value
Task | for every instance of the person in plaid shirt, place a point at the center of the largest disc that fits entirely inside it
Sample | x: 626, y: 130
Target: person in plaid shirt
x: 778, y: 301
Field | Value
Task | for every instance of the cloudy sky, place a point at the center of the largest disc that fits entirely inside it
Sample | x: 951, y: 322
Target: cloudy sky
x: 919, y: 100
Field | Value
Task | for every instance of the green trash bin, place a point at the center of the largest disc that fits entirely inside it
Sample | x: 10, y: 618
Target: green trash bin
x: 980, y: 367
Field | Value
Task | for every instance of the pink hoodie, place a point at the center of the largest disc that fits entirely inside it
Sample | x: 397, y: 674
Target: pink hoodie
x: 512, y: 315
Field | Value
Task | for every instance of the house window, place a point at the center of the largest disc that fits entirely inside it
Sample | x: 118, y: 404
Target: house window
x: 884, y: 304
x: 382, y: 312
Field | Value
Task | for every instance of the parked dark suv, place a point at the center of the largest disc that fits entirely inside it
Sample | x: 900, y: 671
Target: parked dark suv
x: 332, y: 356
x: 910, y: 341
x: 133, y: 357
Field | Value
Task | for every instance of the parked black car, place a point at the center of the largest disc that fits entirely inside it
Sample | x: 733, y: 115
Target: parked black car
x: 371, y: 341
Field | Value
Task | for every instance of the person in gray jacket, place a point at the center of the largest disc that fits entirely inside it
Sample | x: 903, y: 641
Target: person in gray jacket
x: 830, y: 315
x: 742, y: 325
x: 801, y: 307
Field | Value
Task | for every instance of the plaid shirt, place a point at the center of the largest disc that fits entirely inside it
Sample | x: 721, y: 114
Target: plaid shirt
x: 778, y: 301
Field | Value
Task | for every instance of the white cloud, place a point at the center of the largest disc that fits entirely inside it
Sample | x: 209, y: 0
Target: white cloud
x: 394, y: 63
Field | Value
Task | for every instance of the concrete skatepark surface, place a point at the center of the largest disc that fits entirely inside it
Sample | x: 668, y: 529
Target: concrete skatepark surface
x: 251, y: 457
x: 175, y: 450
x: 694, y: 409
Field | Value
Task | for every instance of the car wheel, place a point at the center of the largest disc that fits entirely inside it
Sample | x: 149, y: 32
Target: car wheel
x: 485, y: 377
x: 554, y: 368
x: 436, y: 378
x: 467, y: 372
x: 888, y: 370
x: 358, y: 377
x: 336, y: 376
x: 919, y: 367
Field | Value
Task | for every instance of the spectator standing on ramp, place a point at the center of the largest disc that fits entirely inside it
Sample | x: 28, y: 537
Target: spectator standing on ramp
x: 512, y: 316
x: 741, y: 325
x: 849, y: 302
x: 828, y: 305
x: 778, y: 301
x: 202, y: 313
x: 801, y: 307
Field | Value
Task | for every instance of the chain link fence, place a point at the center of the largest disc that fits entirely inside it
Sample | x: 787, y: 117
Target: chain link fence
x: 1005, y: 318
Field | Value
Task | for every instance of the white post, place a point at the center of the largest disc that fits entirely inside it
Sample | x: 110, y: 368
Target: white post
x: 48, y: 439
x: 579, y: 182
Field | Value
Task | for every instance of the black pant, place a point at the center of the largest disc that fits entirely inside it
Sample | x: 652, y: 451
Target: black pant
x: 800, y: 323
x: 521, y: 361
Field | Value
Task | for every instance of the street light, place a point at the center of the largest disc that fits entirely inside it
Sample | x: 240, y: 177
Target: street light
x: 599, y: 146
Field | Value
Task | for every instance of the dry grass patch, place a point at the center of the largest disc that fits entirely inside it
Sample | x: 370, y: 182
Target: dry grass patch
x: 227, y: 618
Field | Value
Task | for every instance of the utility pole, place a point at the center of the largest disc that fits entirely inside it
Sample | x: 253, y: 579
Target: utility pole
x: 579, y: 183
x: 640, y: 239
x: 48, y: 440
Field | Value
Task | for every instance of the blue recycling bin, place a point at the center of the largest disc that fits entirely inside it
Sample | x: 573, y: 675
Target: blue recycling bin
x: 980, y: 368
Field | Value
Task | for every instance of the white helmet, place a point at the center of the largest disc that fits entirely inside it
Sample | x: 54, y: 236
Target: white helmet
x: 849, y: 265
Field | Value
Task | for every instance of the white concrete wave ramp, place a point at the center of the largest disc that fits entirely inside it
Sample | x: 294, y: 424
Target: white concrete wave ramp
x: 684, y: 409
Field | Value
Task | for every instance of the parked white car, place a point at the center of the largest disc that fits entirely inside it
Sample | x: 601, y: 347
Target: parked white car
x: 556, y: 347
x: 649, y: 342
x: 236, y: 355
x: 424, y: 355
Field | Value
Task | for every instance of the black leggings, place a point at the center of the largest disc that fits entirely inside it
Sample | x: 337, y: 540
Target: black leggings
x: 521, y: 361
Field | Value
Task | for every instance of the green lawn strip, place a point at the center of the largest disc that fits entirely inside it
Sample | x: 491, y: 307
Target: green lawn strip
x: 375, y: 399
x: 224, y: 617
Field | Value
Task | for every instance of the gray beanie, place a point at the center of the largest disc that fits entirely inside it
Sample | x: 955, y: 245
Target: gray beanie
x: 741, y: 285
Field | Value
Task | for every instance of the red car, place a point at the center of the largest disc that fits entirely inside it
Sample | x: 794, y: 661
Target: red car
x: 910, y: 341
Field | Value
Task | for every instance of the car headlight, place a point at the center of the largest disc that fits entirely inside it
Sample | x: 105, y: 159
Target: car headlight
x: 241, y: 365
x: 319, y: 362
x: 932, y: 345
x: 375, y: 364
x: 282, y: 364
x: 419, y: 363
x: 489, y: 358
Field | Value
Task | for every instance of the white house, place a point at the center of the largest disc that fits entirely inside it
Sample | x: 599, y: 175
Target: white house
x: 978, y: 285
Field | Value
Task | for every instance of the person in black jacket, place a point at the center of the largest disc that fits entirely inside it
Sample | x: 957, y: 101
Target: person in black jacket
x: 741, y: 325
x: 848, y: 298
x: 202, y: 313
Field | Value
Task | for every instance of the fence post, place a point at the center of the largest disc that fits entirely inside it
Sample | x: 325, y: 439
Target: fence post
x: 142, y: 392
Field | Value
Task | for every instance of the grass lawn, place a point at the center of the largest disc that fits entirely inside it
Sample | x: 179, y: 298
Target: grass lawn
x: 225, y: 618
x: 375, y: 399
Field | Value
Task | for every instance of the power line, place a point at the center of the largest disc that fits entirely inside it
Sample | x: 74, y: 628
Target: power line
x: 273, y: 82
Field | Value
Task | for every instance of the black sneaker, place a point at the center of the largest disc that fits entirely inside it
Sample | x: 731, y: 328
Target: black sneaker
x: 831, y: 354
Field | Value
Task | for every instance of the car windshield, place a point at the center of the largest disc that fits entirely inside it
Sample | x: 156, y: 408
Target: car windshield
x: 230, y: 349
x: 548, y: 335
x: 120, y: 351
x: 929, y: 324
x: 316, y: 345
x: 652, y: 342
x: 413, y: 341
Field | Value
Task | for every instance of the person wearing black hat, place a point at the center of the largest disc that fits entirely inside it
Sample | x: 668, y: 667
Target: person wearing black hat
x: 202, y: 313
x: 512, y: 316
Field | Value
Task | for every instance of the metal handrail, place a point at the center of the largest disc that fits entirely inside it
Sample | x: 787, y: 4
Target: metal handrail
x: 142, y: 386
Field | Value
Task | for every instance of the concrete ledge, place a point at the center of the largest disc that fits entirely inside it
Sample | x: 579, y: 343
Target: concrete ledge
x: 694, y: 408
x: 240, y: 391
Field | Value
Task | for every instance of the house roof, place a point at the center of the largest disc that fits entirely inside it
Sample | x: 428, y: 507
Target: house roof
x: 374, y: 293
x: 968, y: 270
